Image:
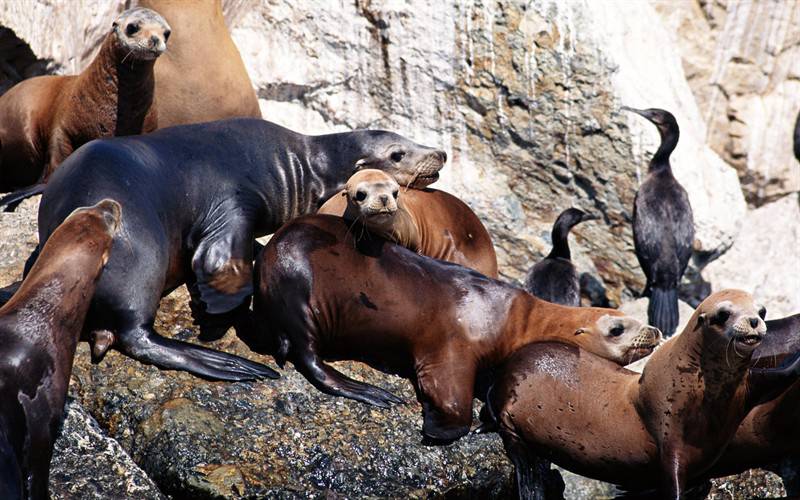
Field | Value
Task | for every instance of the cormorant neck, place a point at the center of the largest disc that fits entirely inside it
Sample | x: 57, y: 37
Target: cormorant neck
x: 669, y: 140
x: 560, y: 237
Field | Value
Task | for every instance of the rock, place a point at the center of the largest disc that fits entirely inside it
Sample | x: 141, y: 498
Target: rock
x: 740, y: 60
x: 87, y: 464
x: 765, y: 258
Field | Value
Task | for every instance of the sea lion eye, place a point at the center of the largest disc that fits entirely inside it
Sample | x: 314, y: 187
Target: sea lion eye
x: 722, y: 316
x: 166, y: 35
x: 397, y: 156
x: 617, y: 331
x: 395, y: 193
x: 361, y: 195
x: 131, y: 29
x: 762, y: 313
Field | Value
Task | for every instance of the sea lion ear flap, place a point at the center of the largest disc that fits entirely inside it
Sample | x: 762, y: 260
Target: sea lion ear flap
x: 360, y: 164
x: 580, y: 331
x: 702, y: 318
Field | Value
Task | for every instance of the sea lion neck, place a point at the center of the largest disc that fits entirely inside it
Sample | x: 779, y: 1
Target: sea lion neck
x: 122, y: 89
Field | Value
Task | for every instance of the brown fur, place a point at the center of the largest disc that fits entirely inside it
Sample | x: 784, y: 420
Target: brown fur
x: 40, y: 327
x: 201, y: 77
x: 427, y: 221
x: 45, y: 118
x: 324, y: 294
x: 662, y: 428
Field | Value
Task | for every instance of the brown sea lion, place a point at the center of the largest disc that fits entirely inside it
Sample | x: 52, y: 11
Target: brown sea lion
x: 202, y: 77
x: 659, y: 429
x: 39, y: 331
x: 46, y: 118
x: 769, y: 437
x: 427, y: 221
x: 323, y: 293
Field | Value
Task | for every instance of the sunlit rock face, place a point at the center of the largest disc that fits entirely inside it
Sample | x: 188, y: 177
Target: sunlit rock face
x: 525, y: 98
x: 742, y: 61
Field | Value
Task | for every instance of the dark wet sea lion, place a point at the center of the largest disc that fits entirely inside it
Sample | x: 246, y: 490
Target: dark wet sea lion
x: 322, y: 293
x: 427, y: 221
x: 555, y: 278
x: 194, y: 199
x: 661, y: 429
x: 46, y: 118
x: 663, y: 226
x: 202, y: 77
x: 39, y: 331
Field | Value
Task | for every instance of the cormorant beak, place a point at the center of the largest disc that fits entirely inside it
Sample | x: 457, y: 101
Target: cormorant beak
x: 589, y: 216
x: 640, y: 112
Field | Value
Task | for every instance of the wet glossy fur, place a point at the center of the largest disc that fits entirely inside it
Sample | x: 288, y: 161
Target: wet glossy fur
x: 39, y: 331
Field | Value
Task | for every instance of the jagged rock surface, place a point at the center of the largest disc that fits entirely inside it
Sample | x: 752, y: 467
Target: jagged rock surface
x: 89, y: 465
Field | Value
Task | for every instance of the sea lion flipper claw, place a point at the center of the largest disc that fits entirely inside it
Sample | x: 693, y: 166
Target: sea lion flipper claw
x: 151, y: 348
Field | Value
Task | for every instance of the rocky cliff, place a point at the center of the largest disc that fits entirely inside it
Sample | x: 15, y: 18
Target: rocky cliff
x: 525, y: 97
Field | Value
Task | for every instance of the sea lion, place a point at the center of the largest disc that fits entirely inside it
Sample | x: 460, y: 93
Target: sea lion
x: 47, y: 117
x: 769, y: 437
x: 202, y: 77
x: 195, y: 199
x: 555, y: 278
x: 661, y: 429
x: 427, y: 221
x: 663, y: 226
x: 40, y: 327
x: 439, y: 324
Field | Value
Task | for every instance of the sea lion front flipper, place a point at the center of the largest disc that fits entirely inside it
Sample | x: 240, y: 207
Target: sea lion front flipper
x: 223, y: 264
x: 445, y: 384
x: 145, y: 345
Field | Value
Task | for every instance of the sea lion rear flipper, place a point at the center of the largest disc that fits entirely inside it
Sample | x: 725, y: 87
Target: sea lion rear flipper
x: 534, y: 477
x: 10, y: 474
x: 223, y: 266
x: 331, y: 381
x: 145, y: 345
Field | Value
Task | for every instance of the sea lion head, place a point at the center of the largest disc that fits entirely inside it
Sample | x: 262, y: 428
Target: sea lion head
x: 89, y: 223
x: 620, y: 338
x: 411, y: 164
x: 373, y: 196
x: 141, y: 33
x: 732, y: 316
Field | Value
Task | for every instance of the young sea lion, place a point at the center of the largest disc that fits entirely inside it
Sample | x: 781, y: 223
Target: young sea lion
x: 195, y: 199
x: 323, y: 293
x: 663, y: 226
x: 661, y: 429
x: 555, y: 278
x: 39, y: 331
x: 44, y: 119
x: 427, y: 221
